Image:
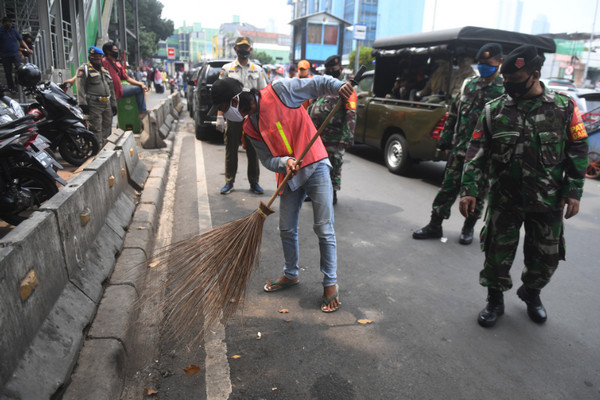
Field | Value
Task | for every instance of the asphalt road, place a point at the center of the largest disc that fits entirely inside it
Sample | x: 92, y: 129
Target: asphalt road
x: 422, y: 297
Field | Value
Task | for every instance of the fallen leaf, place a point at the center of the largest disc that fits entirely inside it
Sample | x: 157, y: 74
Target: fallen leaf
x: 258, y: 336
x: 364, y: 321
x: 235, y: 357
x: 283, y: 311
x: 287, y: 320
x: 141, y: 228
x: 275, y: 388
x: 149, y: 391
x: 192, y: 369
x: 154, y: 264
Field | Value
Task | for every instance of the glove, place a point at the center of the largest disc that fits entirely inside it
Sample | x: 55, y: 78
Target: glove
x: 85, y: 108
x: 114, y: 110
x: 221, y: 124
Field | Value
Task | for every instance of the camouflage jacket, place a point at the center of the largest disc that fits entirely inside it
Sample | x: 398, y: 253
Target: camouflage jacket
x: 534, y: 154
x: 340, y: 130
x: 466, y: 109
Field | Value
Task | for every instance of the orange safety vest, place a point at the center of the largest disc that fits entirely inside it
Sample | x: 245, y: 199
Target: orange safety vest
x: 286, y: 131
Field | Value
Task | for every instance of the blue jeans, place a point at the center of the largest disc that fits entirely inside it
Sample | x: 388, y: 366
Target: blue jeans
x: 138, y: 92
x: 318, y: 188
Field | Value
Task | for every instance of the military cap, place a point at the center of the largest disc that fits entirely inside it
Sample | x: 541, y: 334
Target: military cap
x: 519, y: 58
x: 95, y: 50
x: 222, y: 91
x: 303, y: 64
x: 243, y: 40
x: 332, y: 61
x: 489, y: 50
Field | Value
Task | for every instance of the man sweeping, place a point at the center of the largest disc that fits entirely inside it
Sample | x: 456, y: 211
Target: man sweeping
x: 279, y: 130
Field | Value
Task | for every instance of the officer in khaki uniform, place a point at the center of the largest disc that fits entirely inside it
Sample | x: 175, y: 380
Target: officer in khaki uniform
x: 96, y: 95
x: 251, y: 76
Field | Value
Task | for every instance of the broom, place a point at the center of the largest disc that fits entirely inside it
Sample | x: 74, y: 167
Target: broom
x: 210, y: 271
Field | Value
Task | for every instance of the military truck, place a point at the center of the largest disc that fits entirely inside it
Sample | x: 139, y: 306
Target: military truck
x: 429, y: 69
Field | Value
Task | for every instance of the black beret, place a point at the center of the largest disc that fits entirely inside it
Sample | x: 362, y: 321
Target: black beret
x: 222, y: 91
x: 519, y: 58
x: 489, y: 50
x: 332, y: 61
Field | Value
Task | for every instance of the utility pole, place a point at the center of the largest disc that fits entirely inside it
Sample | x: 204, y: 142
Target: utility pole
x: 587, y: 64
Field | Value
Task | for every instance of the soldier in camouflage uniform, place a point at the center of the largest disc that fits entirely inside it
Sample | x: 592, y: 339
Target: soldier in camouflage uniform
x: 96, y: 95
x: 462, y: 117
x: 339, y: 134
x: 531, y: 147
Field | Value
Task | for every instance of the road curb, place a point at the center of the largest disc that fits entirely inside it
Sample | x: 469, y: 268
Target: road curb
x: 66, y: 251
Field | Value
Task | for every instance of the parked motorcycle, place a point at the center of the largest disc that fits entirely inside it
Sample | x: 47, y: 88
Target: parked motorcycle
x: 27, y: 171
x: 62, y: 120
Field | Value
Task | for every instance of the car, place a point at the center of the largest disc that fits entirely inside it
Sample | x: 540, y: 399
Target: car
x: 191, y: 77
x: 559, y: 84
x: 207, y: 75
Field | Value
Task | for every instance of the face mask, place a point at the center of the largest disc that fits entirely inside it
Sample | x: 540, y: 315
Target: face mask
x: 115, y: 54
x: 233, y: 114
x: 517, y: 89
x: 243, y: 53
x: 485, y: 71
x: 335, y: 74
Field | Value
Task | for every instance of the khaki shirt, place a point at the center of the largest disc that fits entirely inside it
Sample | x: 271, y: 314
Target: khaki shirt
x: 91, y: 82
x: 250, y: 75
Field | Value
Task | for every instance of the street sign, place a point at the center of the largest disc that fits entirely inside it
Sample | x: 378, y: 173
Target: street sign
x: 170, y: 53
x: 569, y: 70
x: 360, y: 32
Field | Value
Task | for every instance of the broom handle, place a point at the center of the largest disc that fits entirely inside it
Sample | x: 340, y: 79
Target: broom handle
x: 337, y: 106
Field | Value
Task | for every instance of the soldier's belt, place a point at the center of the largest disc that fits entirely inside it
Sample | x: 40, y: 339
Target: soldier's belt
x: 103, y: 99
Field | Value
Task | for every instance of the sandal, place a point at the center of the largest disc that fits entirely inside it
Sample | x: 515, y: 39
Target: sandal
x: 326, y: 301
x: 281, y: 285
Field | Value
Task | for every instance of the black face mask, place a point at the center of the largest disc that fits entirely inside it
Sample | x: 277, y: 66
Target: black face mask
x: 243, y: 54
x: 517, y: 90
x: 335, y: 74
x: 115, y: 54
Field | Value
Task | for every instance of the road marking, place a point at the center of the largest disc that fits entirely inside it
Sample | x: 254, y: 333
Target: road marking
x: 217, y: 373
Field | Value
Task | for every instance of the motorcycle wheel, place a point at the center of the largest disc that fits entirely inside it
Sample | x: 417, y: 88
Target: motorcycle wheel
x: 77, y: 147
x: 40, y: 186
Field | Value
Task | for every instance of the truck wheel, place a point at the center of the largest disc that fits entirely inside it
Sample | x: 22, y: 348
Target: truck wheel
x: 396, y: 154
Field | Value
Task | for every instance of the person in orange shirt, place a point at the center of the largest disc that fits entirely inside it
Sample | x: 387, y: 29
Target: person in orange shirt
x: 303, y: 73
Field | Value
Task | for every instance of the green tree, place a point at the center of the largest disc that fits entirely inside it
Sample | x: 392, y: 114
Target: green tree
x: 152, y: 27
x: 365, y: 58
x: 262, y: 57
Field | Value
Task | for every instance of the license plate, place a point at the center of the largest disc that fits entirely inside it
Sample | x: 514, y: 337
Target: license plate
x: 43, y: 158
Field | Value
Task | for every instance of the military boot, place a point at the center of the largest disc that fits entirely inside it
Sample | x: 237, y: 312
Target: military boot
x: 432, y: 230
x: 495, y: 308
x: 535, y: 308
x: 466, y: 235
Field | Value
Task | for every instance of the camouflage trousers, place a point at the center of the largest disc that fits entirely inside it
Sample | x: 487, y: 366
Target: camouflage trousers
x: 336, y: 158
x: 543, y: 247
x: 446, y: 196
x: 100, y: 120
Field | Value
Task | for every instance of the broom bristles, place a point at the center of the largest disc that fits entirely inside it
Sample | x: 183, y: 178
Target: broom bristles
x: 208, y: 274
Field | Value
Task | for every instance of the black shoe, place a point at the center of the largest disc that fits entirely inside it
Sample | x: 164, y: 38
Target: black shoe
x: 255, y: 188
x: 535, y: 308
x: 429, y: 231
x: 334, y: 197
x: 466, y: 236
x: 432, y: 230
x: 228, y: 188
x: 494, y: 309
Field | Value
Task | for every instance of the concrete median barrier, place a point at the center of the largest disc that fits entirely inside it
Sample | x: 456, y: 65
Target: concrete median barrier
x: 54, y: 268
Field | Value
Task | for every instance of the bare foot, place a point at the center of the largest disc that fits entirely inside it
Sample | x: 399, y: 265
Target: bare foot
x: 280, y: 283
x: 331, y: 299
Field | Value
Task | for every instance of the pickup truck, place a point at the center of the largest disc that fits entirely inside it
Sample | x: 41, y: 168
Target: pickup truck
x: 432, y: 66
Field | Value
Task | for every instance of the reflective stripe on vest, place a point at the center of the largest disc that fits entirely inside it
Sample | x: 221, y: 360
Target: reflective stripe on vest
x: 284, y: 138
